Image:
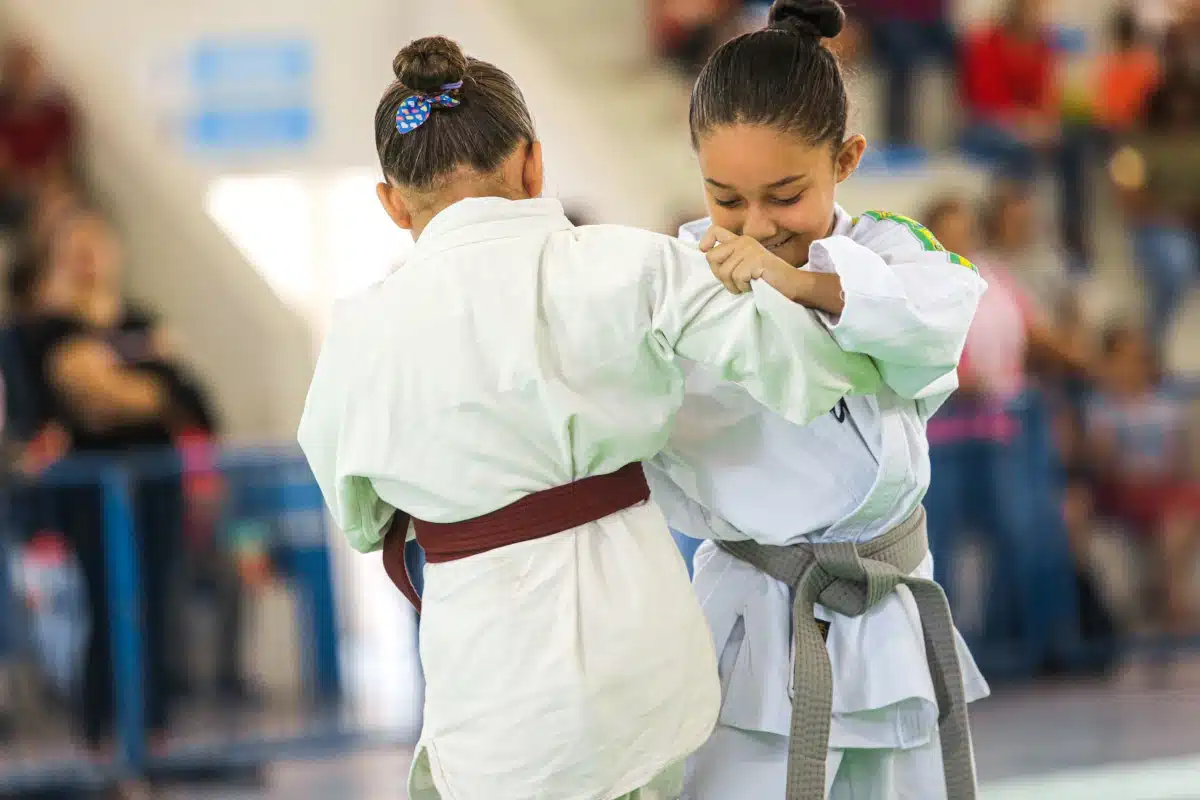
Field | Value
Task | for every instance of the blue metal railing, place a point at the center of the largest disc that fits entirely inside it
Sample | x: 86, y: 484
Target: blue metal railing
x: 270, y: 483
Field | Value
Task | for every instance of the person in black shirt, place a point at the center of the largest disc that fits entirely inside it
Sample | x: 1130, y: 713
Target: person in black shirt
x: 109, y: 382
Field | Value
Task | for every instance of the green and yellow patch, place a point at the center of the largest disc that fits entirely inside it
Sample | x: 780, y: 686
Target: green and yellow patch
x: 923, y: 235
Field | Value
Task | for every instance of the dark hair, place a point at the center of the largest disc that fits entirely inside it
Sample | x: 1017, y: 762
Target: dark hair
x: 488, y: 125
x: 1124, y: 27
x: 781, y: 76
x: 943, y: 206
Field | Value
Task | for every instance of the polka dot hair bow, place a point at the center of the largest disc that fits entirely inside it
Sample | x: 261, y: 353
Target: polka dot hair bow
x: 414, y: 110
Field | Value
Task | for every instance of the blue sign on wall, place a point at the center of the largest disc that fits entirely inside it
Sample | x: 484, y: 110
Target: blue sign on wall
x: 250, y: 95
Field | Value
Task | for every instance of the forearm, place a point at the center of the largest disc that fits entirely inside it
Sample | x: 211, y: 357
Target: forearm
x: 816, y: 290
x: 128, y: 398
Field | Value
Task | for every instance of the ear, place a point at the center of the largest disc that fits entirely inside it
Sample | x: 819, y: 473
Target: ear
x: 850, y: 155
x: 395, y: 206
x: 532, y: 175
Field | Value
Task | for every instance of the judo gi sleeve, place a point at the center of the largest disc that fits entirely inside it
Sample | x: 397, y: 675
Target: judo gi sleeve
x: 777, y: 350
x: 908, y: 302
x: 332, y: 450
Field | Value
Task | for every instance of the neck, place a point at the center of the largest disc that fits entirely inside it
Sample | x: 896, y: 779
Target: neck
x: 455, y: 194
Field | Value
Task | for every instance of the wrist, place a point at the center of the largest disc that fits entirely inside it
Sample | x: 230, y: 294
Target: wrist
x: 799, y: 286
x: 817, y: 290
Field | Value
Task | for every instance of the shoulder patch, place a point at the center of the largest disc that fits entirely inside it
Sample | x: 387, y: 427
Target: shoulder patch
x: 922, y: 234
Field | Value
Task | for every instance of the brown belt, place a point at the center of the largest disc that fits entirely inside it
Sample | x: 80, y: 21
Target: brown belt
x: 534, y: 516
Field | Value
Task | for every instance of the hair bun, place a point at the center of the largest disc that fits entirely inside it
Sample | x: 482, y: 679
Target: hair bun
x: 820, y: 19
x: 426, y: 65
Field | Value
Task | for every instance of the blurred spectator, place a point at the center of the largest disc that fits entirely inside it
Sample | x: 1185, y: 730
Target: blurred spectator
x: 687, y: 31
x: 1010, y: 80
x: 903, y: 36
x: 1127, y: 74
x: 1158, y: 173
x: 1024, y: 292
x: 992, y: 452
x: 1059, y: 360
x: 1138, y: 434
x: 1016, y: 241
x: 1011, y: 86
x: 37, y: 121
x: 107, y: 381
x: 973, y: 483
x: 1060, y: 339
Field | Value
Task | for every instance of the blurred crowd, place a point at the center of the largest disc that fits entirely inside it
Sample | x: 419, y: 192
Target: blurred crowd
x: 1065, y: 424
x: 89, y: 376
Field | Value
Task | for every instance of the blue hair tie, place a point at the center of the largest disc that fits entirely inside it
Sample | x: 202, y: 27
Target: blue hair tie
x: 416, y: 108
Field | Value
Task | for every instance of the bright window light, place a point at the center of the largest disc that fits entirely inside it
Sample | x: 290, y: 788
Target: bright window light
x: 270, y: 219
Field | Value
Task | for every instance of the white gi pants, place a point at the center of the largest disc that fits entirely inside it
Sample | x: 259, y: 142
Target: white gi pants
x: 735, y: 764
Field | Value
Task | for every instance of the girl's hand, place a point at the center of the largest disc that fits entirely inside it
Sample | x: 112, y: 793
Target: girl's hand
x: 738, y: 260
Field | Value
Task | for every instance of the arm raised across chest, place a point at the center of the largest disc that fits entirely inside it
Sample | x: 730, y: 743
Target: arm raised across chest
x: 907, y: 302
x: 777, y: 350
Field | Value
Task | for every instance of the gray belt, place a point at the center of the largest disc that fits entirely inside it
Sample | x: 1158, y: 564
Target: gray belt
x: 849, y: 579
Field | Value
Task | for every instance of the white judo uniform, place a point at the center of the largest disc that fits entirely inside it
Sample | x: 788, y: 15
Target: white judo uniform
x: 735, y: 470
x: 513, y: 353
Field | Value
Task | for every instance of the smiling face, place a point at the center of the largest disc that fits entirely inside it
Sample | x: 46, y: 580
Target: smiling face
x: 772, y: 186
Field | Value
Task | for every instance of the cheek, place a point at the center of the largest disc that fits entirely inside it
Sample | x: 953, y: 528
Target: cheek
x: 809, y: 217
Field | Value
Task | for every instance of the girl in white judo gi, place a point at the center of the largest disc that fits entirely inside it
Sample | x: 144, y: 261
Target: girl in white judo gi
x: 768, y: 121
x: 515, y: 356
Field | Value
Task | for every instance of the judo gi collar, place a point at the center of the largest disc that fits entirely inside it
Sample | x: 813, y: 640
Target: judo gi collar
x: 481, y: 219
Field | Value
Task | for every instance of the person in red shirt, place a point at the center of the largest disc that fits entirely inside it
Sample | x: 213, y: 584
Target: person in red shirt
x: 1012, y: 94
x: 686, y: 31
x: 1010, y: 80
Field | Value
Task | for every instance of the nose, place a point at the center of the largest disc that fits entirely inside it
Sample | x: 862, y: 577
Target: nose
x: 759, y: 224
